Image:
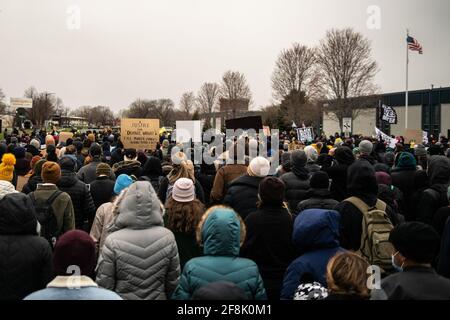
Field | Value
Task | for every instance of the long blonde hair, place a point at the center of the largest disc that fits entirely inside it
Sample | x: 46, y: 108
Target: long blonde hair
x: 182, y: 168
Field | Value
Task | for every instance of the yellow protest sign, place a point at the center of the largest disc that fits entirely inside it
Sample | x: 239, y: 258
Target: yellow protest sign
x: 139, y: 133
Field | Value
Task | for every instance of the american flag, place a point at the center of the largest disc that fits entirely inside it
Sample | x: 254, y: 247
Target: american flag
x: 414, y: 45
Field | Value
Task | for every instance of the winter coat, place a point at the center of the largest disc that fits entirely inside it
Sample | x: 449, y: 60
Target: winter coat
x: 369, y: 158
x: 338, y: 172
x: 32, y: 183
x: 403, y: 178
x: 296, y: 181
x: 269, y: 244
x: 242, y: 195
x: 152, y: 172
x: 361, y: 184
x: 83, y: 205
x: 131, y: 168
x: 224, y: 176
x: 102, y: 190
x: 86, y: 289
x: 221, y: 262
x: 104, y: 217
x: 414, y: 283
x: 164, y: 186
x: 206, y: 177
x: 139, y: 259
x: 440, y: 219
x: 435, y: 197
x: 317, y: 199
x: 26, y: 258
x: 62, y: 206
x: 443, y: 267
x: 87, y: 174
x: 22, y: 166
x: 316, y: 237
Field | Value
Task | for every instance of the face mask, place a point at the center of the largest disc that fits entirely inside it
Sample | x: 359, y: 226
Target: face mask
x: 396, y: 267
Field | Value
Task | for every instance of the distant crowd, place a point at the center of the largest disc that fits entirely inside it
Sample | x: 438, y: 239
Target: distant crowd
x: 153, y: 224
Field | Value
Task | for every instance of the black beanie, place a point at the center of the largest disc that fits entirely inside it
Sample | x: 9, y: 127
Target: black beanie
x: 416, y: 241
x: 271, y: 191
x: 319, y: 180
x: 67, y: 163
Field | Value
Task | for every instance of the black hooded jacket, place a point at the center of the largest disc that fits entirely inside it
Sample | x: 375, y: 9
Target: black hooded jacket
x: 361, y: 183
x: 83, y: 205
x: 152, y: 172
x: 242, y: 195
x: 338, y: 172
x: 435, y: 196
x: 296, y: 181
x: 26, y: 258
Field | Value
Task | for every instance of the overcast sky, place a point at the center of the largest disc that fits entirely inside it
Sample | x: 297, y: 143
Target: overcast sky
x: 124, y: 49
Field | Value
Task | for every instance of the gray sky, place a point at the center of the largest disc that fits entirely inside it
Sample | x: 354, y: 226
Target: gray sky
x: 126, y: 49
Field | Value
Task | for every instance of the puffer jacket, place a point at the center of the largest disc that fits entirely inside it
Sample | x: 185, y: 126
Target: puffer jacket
x: 316, y: 234
x: 220, y: 234
x: 242, y: 195
x: 26, y: 258
x: 131, y: 168
x: 83, y: 205
x: 435, y: 197
x: 317, y: 199
x: 139, y: 259
x: 296, y: 181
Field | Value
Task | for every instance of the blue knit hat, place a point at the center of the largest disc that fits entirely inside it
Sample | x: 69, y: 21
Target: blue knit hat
x: 122, y: 182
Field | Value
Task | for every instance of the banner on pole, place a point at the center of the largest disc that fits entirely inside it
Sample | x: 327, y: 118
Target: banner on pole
x: 390, y: 141
x: 139, y: 133
x: 305, y: 134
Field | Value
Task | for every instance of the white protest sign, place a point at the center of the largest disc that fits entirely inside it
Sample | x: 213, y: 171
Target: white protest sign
x: 305, y: 134
x: 187, y: 130
x: 26, y: 103
x: 391, y: 141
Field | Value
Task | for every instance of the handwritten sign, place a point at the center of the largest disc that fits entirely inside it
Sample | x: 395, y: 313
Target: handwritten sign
x: 139, y: 133
x: 63, y: 136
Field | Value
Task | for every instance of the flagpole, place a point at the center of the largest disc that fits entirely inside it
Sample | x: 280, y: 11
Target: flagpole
x: 406, y: 92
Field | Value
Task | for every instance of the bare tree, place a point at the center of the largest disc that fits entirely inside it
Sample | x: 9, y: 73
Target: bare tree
x: 43, y: 105
x: 207, y: 98
x: 348, y: 71
x: 234, y: 86
x: 2, y: 104
x: 296, y: 70
x: 165, y: 111
x: 98, y: 116
x: 187, y: 103
x: 162, y: 109
x: 140, y: 108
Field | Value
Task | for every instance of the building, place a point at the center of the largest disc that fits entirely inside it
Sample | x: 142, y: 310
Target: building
x: 428, y: 110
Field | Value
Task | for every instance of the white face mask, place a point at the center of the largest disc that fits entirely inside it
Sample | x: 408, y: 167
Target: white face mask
x: 396, y: 267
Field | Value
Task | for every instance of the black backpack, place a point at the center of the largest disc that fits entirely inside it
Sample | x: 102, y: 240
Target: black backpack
x: 47, y: 218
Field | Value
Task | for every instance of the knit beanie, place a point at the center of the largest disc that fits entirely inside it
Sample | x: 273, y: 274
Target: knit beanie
x: 271, y: 191
x: 19, y: 152
x: 91, y: 137
x: 95, y: 150
x: 420, y: 150
x: 319, y: 180
x: 416, y: 241
x: 67, y: 163
x: 51, y: 172
x: 7, y: 167
x: 103, y: 169
x: 365, y: 147
x: 122, y: 182
x: 259, y: 167
x: 74, y: 248
x: 35, y: 143
x: 406, y: 160
x: 183, y: 190
x: 383, y: 178
x: 33, y: 161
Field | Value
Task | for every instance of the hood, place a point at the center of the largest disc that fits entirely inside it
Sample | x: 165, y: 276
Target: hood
x: 33, y: 150
x: 152, y: 167
x: 127, y: 164
x: 6, y: 187
x: 361, y: 181
x: 139, y: 209
x: 247, y: 181
x: 383, y: 178
x: 344, y: 156
x: 406, y: 161
x: 316, y: 229
x: 439, y: 170
x: 18, y: 215
x: 319, y: 193
x: 221, y: 233
x: 298, y: 163
x: 68, y: 179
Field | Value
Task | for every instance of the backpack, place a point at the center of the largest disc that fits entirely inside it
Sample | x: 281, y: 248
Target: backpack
x: 47, y: 218
x: 376, y: 227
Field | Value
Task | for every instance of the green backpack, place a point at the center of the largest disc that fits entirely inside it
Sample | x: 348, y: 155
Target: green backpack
x: 376, y: 227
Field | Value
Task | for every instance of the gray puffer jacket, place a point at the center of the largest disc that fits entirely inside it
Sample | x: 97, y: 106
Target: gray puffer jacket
x: 139, y: 259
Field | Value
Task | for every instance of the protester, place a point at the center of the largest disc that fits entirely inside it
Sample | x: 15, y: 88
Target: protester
x: 152, y: 172
x: 269, y: 236
x: 365, y: 148
x: 221, y: 232
x: 59, y: 203
x: 347, y: 275
x: 316, y: 237
x: 296, y: 181
x: 441, y: 216
x: 183, y: 213
x: 403, y: 178
x: 139, y: 259
x: 415, y: 247
x: 22, y: 166
x: 311, y: 159
x: 129, y: 166
x: 87, y: 174
x: 74, y: 249
x: 83, y: 205
x: 319, y: 195
x: 242, y: 194
x: 7, y: 172
x: 35, y: 178
x: 102, y: 188
x: 25, y: 263
x: 220, y: 290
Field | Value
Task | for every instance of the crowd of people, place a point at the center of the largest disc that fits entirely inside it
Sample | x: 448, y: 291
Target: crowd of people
x: 87, y: 218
